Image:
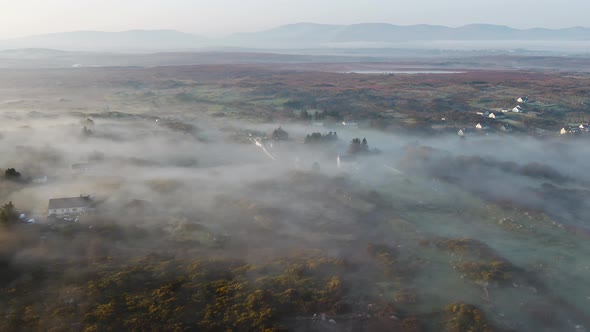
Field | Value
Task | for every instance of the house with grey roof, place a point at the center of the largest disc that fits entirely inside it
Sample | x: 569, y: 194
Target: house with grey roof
x: 70, y: 206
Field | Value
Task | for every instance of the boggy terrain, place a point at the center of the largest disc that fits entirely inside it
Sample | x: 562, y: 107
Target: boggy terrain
x: 217, y: 205
x: 426, y: 103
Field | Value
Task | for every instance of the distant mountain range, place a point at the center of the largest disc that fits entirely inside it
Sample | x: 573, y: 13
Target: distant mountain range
x: 301, y: 35
x: 380, y: 33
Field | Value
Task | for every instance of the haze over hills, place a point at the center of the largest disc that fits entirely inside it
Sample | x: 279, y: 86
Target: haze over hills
x: 303, y: 35
x: 318, y: 34
x: 133, y: 40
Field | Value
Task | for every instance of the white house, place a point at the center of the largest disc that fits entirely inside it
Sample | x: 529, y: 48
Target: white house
x: 461, y: 133
x: 60, y: 207
x: 517, y: 109
x: 504, y: 110
x: 483, y: 113
x: 496, y: 115
x: 40, y: 180
x: 523, y: 100
x: 585, y: 127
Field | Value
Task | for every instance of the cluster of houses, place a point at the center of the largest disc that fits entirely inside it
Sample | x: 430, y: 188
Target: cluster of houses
x: 491, y: 115
x: 582, y: 128
x: 483, y: 129
x: 504, y: 127
x: 499, y: 115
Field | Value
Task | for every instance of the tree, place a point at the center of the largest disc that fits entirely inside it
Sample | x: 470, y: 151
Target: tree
x: 355, y: 146
x: 12, y: 174
x: 8, y: 214
x: 304, y: 115
x: 358, y: 146
x: 280, y: 134
x: 319, y: 138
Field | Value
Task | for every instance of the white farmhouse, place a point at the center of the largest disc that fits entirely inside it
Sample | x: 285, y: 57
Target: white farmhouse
x: 496, y: 115
x: 517, y: 109
x: 60, y: 207
x: 523, y: 100
x: 40, y: 180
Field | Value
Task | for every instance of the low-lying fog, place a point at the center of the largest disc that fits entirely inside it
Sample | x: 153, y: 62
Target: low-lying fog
x: 527, y: 199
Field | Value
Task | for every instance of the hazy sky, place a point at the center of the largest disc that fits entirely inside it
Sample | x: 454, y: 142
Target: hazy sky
x: 220, y: 17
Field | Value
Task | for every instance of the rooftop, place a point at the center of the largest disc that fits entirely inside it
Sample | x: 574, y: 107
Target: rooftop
x: 70, y: 202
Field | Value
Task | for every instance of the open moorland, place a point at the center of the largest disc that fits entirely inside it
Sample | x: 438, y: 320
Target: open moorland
x: 375, y: 95
x: 293, y: 197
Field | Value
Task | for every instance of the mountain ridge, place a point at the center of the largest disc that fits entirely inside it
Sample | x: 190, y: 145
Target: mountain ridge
x: 296, y: 35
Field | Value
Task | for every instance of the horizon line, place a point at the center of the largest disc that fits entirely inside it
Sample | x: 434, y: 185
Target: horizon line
x: 287, y: 24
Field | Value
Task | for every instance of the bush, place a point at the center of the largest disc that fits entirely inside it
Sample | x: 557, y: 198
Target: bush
x: 8, y: 214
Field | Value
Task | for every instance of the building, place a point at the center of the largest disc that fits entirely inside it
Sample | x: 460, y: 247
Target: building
x: 523, y: 100
x: 570, y: 130
x: 584, y: 127
x: 70, y: 206
x: 496, y: 115
x: 517, y: 109
x: 40, y: 180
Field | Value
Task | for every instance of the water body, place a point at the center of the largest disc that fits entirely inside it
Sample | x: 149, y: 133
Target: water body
x: 408, y: 72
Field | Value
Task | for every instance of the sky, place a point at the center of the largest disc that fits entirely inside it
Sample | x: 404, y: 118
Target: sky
x: 216, y: 18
